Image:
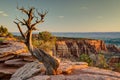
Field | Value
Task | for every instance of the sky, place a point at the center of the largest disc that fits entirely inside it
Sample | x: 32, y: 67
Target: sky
x: 66, y: 15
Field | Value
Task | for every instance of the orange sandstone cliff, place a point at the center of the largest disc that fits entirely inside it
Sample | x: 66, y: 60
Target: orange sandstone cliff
x: 76, y: 47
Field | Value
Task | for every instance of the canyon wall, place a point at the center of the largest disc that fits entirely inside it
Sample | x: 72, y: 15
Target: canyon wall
x: 66, y: 48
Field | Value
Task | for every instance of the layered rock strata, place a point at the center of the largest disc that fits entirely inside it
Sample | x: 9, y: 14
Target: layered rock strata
x: 76, y: 47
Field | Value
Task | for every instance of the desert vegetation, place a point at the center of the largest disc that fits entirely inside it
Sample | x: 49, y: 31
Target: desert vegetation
x: 45, y: 41
x: 4, y: 32
x: 100, y: 61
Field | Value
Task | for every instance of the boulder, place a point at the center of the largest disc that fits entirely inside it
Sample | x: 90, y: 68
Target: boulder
x: 65, y: 68
x: 68, y: 66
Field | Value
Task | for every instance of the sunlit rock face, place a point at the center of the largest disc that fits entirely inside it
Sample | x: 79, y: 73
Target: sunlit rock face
x: 62, y: 48
x: 77, y: 47
x: 12, y: 47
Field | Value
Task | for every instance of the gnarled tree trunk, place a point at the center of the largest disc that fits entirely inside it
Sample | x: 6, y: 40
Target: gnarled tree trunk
x: 49, y: 61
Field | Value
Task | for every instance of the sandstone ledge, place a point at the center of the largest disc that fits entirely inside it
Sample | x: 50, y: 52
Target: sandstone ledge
x: 90, y: 73
x: 70, y: 71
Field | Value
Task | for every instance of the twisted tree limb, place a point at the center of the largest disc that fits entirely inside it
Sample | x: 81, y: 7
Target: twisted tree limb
x: 50, y: 62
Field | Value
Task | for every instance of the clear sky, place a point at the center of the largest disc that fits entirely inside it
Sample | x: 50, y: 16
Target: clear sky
x: 67, y: 15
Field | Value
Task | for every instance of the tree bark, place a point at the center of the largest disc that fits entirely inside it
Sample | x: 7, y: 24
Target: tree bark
x: 49, y: 61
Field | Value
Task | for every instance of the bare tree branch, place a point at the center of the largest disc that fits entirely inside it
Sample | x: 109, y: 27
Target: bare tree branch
x: 30, y: 16
x: 42, y: 15
x: 23, y: 10
x: 50, y: 63
x: 23, y: 23
x: 18, y: 25
x: 26, y: 33
x: 38, y: 21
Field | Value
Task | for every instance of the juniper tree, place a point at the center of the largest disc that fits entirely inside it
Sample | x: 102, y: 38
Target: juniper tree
x: 30, y: 23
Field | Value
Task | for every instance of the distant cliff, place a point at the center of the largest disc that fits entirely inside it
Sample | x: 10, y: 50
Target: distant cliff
x: 73, y: 47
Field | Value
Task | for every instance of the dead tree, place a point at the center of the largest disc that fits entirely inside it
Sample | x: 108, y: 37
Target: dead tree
x: 32, y: 20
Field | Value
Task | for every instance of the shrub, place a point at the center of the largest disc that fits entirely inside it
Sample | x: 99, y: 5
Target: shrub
x: 117, y: 67
x: 101, y: 61
x: 86, y: 58
x: 4, y: 32
x: 45, y: 36
x: 46, y: 41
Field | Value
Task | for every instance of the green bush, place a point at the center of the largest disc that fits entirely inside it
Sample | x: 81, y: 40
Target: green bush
x: 117, y: 67
x: 46, y: 36
x: 86, y: 58
x: 98, y: 62
x: 46, y: 41
x: 4, y: 32
x: 101, y: 61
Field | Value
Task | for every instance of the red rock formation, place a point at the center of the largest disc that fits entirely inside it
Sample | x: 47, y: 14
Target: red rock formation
x: 77, y: 47
x: 62, y: 48
x: 113, y: 48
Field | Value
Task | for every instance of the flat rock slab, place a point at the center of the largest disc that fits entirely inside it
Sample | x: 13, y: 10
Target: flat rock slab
x: 14, y: 48
x: 34, y: 67
x: 75, y: 77
x: 6, y: 58
x: 94, y: 70
x: 15, y: 62
x: 80, y: 71
x: 45, y: 77
x: 6, y: 71
x: 89, y: 77
x: 90, y: 73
